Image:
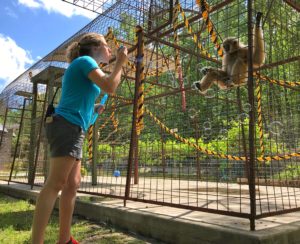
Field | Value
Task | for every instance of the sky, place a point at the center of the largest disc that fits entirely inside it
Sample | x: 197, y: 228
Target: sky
x: 30, y: 29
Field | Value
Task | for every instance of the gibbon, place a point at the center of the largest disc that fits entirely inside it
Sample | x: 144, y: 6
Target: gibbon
x: 234, y: 70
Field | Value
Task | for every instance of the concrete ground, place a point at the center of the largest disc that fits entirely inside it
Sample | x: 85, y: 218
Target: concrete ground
x: 173, y: 225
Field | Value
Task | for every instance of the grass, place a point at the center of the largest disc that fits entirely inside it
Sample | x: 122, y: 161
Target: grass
x: 16, y: 219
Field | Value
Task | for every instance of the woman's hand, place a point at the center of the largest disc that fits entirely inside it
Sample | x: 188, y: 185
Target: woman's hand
x: 99, y: 108
x: 109, y: 83
x: 122, y: 54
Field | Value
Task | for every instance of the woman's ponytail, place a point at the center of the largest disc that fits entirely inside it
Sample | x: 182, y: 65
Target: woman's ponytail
x: 83, y: 46
x: 72, y: 51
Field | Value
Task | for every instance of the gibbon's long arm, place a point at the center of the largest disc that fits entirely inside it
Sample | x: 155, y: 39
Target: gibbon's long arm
x: 258, y: 43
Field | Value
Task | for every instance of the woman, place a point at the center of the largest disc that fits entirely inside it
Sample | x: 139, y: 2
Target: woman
x: 82, y: 83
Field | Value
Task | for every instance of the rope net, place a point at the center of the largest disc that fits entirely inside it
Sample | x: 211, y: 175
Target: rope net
x: 191, y: 150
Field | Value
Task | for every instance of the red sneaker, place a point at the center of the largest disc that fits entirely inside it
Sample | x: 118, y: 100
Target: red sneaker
x: 72, y: 241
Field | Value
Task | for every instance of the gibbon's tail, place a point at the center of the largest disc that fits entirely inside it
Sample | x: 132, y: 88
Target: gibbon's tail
x: 258, y: 19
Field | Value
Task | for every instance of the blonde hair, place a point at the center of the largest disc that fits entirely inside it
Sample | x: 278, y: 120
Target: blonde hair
x: 83, y: 46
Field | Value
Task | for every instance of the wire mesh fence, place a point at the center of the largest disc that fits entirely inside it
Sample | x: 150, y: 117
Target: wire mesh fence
x: 177, y: 147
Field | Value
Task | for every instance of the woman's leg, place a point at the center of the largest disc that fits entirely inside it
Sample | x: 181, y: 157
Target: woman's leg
x: 60, y: 169
x: 67, y: 202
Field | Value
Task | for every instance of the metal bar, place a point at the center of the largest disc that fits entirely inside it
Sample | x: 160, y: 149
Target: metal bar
x: 198, y: 16
x: 159, y: 85
x: 251, y: 99
x: 134, y: 117
x: 17, y: 117
x: 277, y: 212
x: 281, y: 62
x: 95, y: 153
x: 150, y: 16
x: 17, y: 142
x: 171, y: 93
x: 136, y: 162
x: 239, y: 102
x: 4, y: 124
x: 39, y: 138
x: 166, y: 23
x: 32, y: 133
x: 207, y: 210
x: 180, y: 48
x: 293, y: 5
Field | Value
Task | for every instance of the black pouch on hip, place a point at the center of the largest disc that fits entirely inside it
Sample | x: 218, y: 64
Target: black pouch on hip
x: 50, y: 109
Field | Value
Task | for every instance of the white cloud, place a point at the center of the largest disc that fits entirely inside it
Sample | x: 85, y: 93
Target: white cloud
x: 30, y: 3
x: 58, y: 6
x: 14, y: 60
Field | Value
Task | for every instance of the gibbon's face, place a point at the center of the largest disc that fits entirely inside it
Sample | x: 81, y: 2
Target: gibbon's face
x: 230, y: 45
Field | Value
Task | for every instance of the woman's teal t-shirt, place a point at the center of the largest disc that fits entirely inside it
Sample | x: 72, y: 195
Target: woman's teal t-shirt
x: 79, y: 93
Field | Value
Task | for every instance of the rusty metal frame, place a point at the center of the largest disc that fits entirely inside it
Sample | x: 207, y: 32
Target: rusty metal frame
x: 293, y: 4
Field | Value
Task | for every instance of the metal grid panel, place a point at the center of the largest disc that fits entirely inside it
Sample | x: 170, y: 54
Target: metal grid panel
x: 195, y: 156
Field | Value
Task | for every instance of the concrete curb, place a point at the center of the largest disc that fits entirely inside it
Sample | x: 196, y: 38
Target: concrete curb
x: 169, y: 229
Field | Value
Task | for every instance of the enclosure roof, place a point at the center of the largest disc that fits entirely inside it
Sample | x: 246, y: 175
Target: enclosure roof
x: 50, y: 74
x: 164, y: 63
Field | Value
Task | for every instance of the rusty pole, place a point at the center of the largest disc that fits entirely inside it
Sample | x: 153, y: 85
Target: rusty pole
x: 17, y: 142
x: 133, y: 139
x: 4, y: 124
x: 251, y: 177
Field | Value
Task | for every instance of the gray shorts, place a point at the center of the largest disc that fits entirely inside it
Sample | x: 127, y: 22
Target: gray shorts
x: 64, y: 138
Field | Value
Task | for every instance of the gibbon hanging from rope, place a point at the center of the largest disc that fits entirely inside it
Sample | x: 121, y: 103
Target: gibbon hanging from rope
x: 234, y: 70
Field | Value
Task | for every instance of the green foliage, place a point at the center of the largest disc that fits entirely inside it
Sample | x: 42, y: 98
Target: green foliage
x: 150, y: 150
x: 289, y: 173
x: 83, y: 171
x: 16, y: 220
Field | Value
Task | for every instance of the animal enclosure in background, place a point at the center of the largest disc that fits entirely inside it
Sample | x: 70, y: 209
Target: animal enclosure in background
x: 234, y: 152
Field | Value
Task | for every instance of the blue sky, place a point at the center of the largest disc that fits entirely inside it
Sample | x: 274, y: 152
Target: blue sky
x: 30, y: 29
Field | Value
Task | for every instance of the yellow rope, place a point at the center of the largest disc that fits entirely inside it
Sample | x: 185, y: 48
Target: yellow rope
x: 259, y: 119
x: 112, y: 117
x: 90, y: 142
x: 140, y: 102
x: 210, y: 27
x: 178, y: 69
x: 278, y: 82
x: 186, y: 141
x: 213, y: 35
x: 129, y: 63
x: 195, y: 39
x: 212, y: 153
x: 106, y: 121
x: 190, y: 30
x: 117, y: 45
x: 121, y: 98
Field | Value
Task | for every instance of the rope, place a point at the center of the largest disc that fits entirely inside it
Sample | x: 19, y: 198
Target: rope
x: 140, y: 102
x: 117, y: 45
x: 213, y: 35
x: 106, y: 122
x: 212, y: 153
x: 90, y: 142
x: 190, y: 30
x: 186, y: 141
x: 112, y: 117
x: 178, y: 68
x: 210, y: 27
x: 278, y: 82
x: 259, y: 119
x: 129, y: 63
